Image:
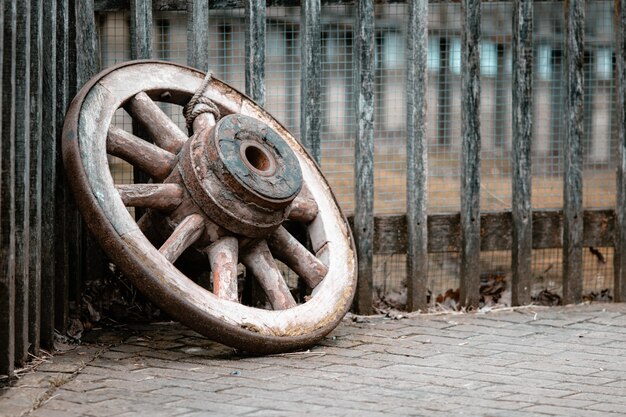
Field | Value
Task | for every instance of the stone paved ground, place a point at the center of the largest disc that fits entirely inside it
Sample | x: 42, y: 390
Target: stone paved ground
x: 568, y: 361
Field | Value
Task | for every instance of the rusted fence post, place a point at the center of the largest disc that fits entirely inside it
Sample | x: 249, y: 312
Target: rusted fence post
x: 572, y: 152
x: 417, y: 157
x: 620, y: 210
x: 255, y: 50
x: 522, y: 140
x: 470, y: 131
x: 364, y: 152
x: 310, y: 81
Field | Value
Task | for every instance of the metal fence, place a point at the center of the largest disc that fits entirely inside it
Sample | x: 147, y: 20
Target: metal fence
x: 466, y: 141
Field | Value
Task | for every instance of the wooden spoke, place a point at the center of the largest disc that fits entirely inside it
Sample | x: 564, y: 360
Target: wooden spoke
x: 303, y: 208
x: 185, y: 234
x: 203, y: 121
x: 151, y: 159
x: 287, y: 249
x: 164, y: 197
x: 159, y: 126
x: 259, y: 260
x: 223, y: 256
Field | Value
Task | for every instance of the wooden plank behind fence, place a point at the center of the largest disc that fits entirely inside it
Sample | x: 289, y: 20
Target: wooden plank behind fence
x: 572, y: 175
x: 522, y: 140
x: 198, y: 34
x: 35, y: 238
x: 255, y: 50
x: 470, y: 131
x: 7, y: 191
x: 310, y: 80
x: 364, y: 153
x: 22, y: 178
x: 620, y: 210
x: 48, y: 173
x: 62, y: 241
x: 444, y: 231
x: 417, y: 157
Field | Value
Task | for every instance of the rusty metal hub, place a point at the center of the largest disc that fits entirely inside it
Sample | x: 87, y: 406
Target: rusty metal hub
x: 242, y: 174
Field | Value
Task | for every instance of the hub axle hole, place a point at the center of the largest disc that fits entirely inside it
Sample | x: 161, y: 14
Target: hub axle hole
x: 257, y: 158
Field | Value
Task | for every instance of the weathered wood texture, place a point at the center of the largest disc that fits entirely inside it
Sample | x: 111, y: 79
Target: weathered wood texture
x: 223, y: 257
x: 62, y: 216
x: 496, y: 231
x: 151, y: 159
x: 141, y: 29
x: 22, y: 178
x: 198, y: 34
x: 572, y: 152
x: 7, y: 190
x: 48, y: 172
x: 35, y: 237
x: 522, y: 142
x: 258, y: 259
x: 87, y: 65
x: 158, y: 125
x: 470, y: 131
x: 310, y: 80
x: 292, y: 253
x: 620, y: 210
x: 255, y: 50
x: 417, y: 157
x: 364, y: 152
x: 141, y: 33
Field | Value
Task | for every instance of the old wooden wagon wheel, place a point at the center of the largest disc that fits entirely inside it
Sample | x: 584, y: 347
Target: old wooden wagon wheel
x: 221, y: 195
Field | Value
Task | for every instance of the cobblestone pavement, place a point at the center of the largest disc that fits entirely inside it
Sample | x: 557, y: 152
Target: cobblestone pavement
x: 534, y: 361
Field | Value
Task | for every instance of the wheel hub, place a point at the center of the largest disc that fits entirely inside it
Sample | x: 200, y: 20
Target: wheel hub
x: 242, y: 175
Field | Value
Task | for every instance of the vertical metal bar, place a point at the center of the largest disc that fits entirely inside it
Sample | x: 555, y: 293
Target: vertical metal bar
x: 364, y: 152
x: 198, y: 34
x: 22, y: 178
x: 35, y: 144
x: 48, y: 172
x: 470, y: 128
x: 255, y: 50
x: 572, y: 181
x: 310, y: 80
x: 61, y: 288
x: 417, y: 157
x: 7, y: 191
x: 522, y: 140
x: 620, y: 210
x: 141, y: 29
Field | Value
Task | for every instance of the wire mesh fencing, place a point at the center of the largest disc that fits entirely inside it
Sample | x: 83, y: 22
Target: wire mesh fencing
x: 283, y: 72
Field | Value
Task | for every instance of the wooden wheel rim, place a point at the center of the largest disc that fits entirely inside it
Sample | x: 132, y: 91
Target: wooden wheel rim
x: 244, y: 327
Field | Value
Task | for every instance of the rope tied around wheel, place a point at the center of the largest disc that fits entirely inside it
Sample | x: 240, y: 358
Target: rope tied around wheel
x: 200, y: 104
